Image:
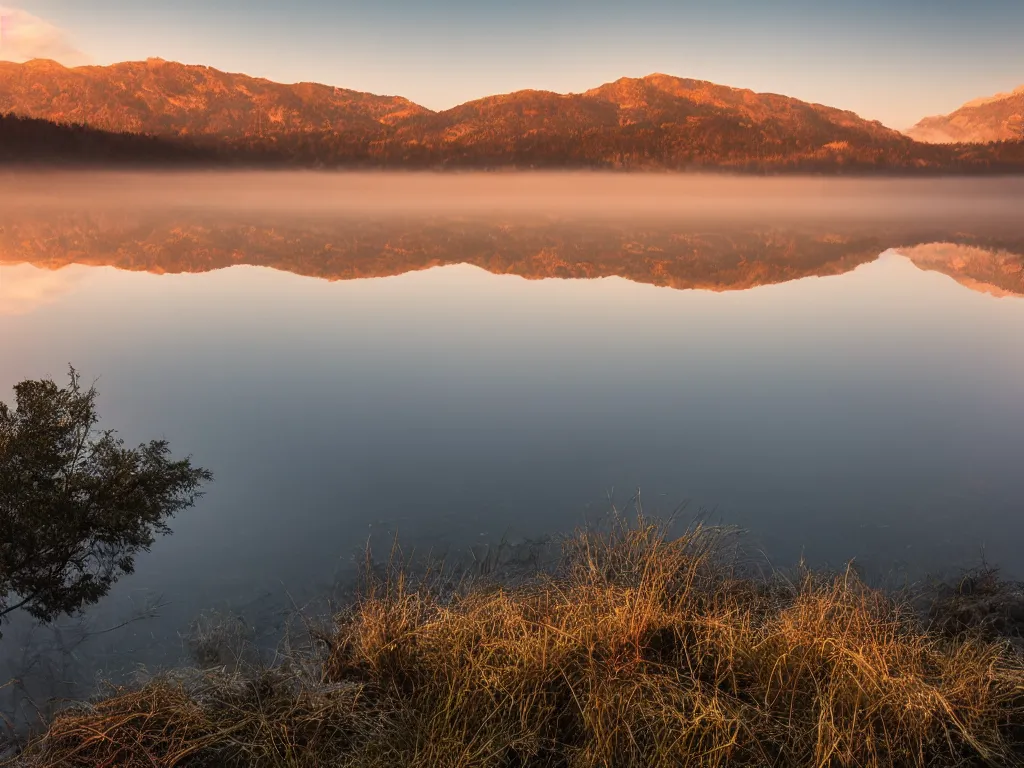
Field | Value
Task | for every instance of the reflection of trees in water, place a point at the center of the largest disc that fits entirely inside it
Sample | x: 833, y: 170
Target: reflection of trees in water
x: 714, y: 257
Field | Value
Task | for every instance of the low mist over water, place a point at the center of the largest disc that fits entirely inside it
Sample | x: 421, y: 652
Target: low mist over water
x: 837, y: 365
x: 589, y: 195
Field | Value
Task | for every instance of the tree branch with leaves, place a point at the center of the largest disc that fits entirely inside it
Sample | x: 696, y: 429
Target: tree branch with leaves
x: 76, y: 504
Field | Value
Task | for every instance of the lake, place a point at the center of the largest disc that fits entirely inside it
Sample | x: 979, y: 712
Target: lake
x: 837, y: 367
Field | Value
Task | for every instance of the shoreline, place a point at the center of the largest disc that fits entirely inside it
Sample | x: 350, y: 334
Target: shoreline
x: 641, y: 598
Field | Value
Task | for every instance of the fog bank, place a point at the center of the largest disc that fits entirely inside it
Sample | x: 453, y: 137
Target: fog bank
x: 583, y: 194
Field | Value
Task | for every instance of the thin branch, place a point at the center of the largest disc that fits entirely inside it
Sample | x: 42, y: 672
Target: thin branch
x: 16, y: 606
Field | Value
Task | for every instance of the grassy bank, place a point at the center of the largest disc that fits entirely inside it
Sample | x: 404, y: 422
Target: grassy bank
x: 635, y: 649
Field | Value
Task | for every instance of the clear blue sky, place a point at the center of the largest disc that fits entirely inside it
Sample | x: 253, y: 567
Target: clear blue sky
x: 894, y: 61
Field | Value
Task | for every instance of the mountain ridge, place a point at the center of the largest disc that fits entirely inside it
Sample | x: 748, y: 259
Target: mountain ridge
x: 655, y: 122
x: 982, y: 120
x: 187, y: 93
x: 654, y: 78
x: 982, y: 101
x: 169, y: 98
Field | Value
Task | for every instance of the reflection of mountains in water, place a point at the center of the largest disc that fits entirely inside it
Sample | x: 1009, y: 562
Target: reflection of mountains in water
x: 721, y: 258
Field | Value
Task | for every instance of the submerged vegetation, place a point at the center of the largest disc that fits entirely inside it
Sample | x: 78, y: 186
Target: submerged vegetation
x: 633, y: 648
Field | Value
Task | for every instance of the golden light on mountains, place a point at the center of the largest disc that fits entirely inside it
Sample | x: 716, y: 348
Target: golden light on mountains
x: 993, y: 118
x: 654, y: 122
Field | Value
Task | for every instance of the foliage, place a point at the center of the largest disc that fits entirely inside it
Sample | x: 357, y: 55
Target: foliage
x: 709, y: 143
x: 24, y: 141
x: 76, y: 505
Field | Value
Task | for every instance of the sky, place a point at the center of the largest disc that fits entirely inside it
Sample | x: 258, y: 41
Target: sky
x: 889, y: 60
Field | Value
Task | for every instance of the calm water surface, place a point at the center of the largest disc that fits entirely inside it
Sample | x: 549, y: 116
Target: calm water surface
x: 876, y: 413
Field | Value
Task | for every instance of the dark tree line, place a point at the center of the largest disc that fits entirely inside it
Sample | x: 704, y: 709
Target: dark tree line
x: 710, y: 142
x: 27, y: 140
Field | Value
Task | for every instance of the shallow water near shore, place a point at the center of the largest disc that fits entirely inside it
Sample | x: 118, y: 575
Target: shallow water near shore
x: 849, y: 386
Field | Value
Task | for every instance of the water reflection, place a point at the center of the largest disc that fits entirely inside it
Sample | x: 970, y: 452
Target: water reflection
x: 722, y: 256
x: 25, y: 287
x: 841, y: 388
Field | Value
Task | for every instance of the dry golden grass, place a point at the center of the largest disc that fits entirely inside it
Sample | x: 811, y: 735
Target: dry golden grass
x: 638, y: 649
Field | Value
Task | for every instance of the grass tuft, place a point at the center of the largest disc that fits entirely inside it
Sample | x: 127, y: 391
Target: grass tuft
x: 636, y: 649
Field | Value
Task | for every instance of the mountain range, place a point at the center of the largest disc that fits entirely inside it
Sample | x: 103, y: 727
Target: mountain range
x: 656, y: 121
x: 168, y: 99
x: 994, y: 118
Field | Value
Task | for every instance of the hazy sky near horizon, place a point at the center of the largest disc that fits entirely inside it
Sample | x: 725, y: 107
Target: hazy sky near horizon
x: 894, y: 61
